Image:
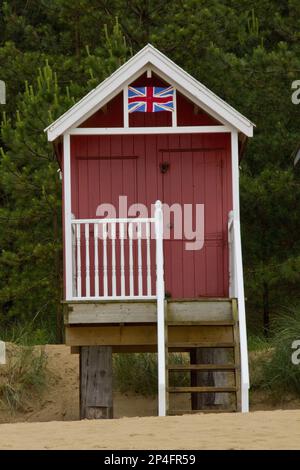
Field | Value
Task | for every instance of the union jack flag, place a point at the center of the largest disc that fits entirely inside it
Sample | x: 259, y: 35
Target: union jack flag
x: 150, y: 99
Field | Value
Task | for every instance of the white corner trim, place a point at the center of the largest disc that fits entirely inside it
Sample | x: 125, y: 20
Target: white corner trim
x: 235, y: 174
x: 67, y: 217
x: 167, y: 69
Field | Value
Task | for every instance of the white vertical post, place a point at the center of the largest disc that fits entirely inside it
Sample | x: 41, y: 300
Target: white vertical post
x: 160, y: 294
x: 140, y: 259
x: 238, y: 274
x: 74, y: 287
x: 78, y: 243
x: 122, y: 235
x: 131, y: 278
x: 174, y: 112
x: 125, y: 106
x: 148, y: 258
x: 113, y: 259
x: 235, y: 173
x: 68, y: 217
x: 105, y: 283
x: 87, y: 260
x: 96, y: 260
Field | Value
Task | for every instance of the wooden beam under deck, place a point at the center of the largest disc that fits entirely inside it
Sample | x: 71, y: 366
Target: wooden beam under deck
x: 116, y: 312
x: 146, y: 335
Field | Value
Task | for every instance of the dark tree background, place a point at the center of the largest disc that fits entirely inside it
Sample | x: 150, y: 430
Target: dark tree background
x: 54, y: 51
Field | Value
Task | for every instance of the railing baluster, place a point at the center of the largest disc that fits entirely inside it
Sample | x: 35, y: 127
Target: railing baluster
x: 131, y: 274
x: 105, y: 283
x: 122, y: 234
x: 87, y: 260
x: 96, y: 262
x: 78, y: 230
x: 113, y: 258
x: 140, y: 259
x: 148, y: 233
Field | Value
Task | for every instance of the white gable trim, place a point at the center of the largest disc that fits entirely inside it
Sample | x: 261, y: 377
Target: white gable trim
x: 149, y: 58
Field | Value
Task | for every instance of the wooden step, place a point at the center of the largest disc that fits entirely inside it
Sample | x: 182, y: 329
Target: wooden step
x: 202, y: 323
x: 202, y: 345
x: 195, y: 412
x: 201, y: 389
x: 202, y: 367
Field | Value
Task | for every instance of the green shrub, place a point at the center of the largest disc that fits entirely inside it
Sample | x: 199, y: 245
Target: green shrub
x: 24, y: 377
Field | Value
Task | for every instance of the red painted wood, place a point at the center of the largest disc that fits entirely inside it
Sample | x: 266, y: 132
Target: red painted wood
x: 105, y: 167
x: 111, y: 115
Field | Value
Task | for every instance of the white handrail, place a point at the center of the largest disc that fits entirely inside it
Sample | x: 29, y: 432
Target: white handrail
x: 160, y: 293
x: 237, y: 290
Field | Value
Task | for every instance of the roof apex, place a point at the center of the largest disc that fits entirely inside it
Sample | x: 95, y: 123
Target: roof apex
x: 181, y: 79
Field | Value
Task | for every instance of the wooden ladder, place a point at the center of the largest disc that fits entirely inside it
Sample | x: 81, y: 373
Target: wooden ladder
x: 232, y: 367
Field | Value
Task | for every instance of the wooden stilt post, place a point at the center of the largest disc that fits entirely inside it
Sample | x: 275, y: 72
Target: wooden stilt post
x: 209, y: 379
x: 96, y: 391
x: 202, y: 401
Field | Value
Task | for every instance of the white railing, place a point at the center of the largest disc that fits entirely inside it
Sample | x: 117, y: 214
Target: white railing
x: 236, y: 290
x: 122, y: 259
x: 116, y: 258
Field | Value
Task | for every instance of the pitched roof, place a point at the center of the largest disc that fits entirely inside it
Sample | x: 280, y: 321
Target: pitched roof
x: 150, y: 57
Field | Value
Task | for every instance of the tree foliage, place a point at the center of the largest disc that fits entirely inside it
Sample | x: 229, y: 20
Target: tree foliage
x: 53, y: 52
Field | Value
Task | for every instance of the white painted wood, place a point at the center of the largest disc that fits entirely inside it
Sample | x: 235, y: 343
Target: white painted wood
x: 150, y: 130
x: 105, y: 280
x: 68, y: 217
x: 87, y: 259
x: 2, y: 353
x: 148, y: 234
x: 237, y: 278
x: 235, y: 174
x: 131, y: 273
x: 78, y: 243
x: 170, y: 72
x: 74, y: 270
x: 160, y: 294
x: 110, y: 221
x: 122, y: 255
x: 232, y: 283
x: 125, y: 107
x: 113, y: 259
x: 117, y: 298
x: 96, y: 259
x: 149, y: 73
x: 239, y: 288
x: 140, y: 259
x: 174, y: 112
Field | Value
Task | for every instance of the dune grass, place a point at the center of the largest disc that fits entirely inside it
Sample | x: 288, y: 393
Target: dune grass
x: 272, y: 367
x: 23, y: 378
x: 138, y: 372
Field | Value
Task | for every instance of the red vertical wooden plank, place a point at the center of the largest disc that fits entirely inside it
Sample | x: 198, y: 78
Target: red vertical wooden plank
x: 188, y: 197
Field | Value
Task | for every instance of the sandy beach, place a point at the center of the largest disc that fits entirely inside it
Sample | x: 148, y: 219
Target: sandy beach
x: 256, y: 430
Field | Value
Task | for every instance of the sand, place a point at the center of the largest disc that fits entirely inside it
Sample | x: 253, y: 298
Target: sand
x: 51, y: 421
x: 256, y: 430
